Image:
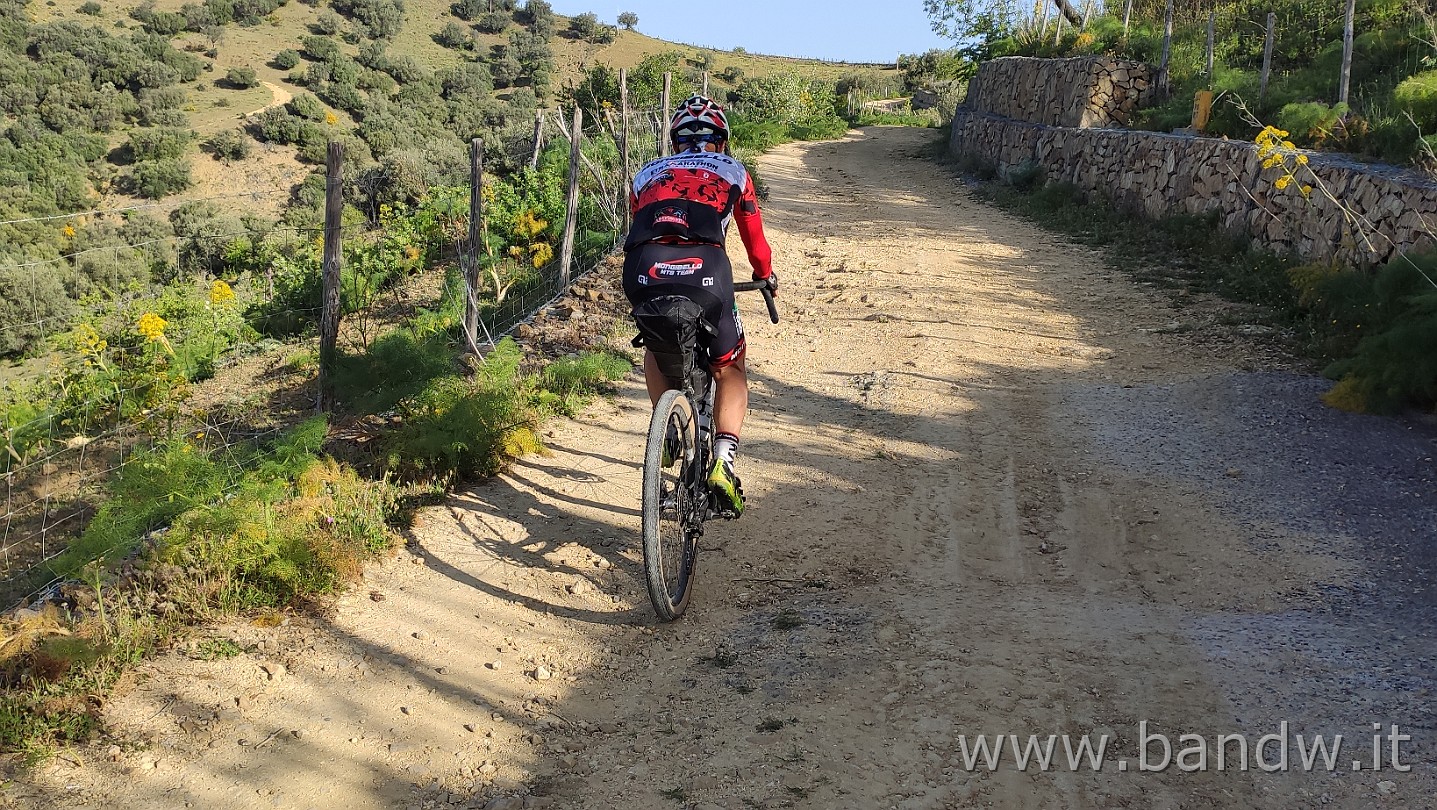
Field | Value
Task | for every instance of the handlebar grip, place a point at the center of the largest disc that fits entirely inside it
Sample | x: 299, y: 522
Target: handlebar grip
x: 749, y: 286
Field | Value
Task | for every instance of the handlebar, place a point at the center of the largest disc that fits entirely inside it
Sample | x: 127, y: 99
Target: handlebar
x: 762, y: 286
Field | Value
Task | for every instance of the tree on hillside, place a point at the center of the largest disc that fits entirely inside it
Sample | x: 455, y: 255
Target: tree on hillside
x: 584, y: 25
x: 628, y: 20
x: 469, y: 9
x: 492, y: 22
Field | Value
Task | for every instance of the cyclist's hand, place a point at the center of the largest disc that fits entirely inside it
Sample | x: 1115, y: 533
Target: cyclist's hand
x: 772, y: 279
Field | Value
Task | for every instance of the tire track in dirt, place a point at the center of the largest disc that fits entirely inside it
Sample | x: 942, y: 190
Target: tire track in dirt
x: 937, y: 545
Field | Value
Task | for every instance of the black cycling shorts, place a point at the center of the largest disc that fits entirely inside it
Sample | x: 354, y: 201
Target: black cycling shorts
x: 699, y: 272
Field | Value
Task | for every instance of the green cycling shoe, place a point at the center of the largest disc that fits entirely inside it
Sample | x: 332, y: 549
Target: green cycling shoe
x: 723, y: 482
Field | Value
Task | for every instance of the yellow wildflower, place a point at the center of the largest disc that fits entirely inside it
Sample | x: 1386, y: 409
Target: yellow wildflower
x: 541, y: 254
x: 68, y: 230
x: 1272, y: 161
x: 221, y: 293
x: 1305, y: 189
x: 151, y: 326
x: 1282, y: 182
x: 529, y: 225
x: 1301, y: 160
x: 331, y: 119
x: 1288, y: 145
x: 411, y: 253
x: 90, y: 345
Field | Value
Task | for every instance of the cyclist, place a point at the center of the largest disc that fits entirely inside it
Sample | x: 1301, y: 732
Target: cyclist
x: 681, y: 206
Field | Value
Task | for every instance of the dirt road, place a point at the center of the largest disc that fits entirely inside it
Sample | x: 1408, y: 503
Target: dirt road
x: 995, y: 488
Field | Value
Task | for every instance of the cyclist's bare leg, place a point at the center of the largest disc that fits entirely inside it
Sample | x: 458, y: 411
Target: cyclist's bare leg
x: 654, y: 380
x: 730, y: 398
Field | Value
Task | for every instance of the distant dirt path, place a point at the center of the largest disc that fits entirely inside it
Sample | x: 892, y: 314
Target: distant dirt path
x: 281, y: 98
x: 984, y: 498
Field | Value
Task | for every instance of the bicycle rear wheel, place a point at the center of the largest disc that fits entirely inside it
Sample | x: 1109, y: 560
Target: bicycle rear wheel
x: 673, y: 504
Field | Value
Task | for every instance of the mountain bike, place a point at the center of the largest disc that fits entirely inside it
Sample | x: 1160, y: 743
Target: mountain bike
x: 676, y: 497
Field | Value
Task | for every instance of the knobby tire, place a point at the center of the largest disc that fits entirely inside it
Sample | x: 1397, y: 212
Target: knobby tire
x: 670, y: 538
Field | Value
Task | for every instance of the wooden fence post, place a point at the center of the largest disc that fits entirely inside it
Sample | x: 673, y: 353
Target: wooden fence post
x: 332, y: 264
x: 1211, y: 30
x: 706, y: 83
x: 1167, y: 50
x: 471, y: 263
x: 1346, y: 80
x: 571, y: 219
x: 624, y: 142
x: 664, y: 146
x: 1267, y: 56
x: 538, y: 139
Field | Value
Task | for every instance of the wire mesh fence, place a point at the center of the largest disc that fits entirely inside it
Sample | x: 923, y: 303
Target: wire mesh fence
x: 109, y: 392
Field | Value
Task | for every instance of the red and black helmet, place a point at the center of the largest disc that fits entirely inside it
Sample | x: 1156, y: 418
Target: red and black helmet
x: 699, y: 115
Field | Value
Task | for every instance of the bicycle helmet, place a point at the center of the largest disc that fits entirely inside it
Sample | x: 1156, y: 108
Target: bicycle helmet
x: 700, y: 115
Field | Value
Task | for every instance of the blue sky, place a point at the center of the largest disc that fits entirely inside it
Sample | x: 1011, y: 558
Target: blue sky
x: 842, y: 30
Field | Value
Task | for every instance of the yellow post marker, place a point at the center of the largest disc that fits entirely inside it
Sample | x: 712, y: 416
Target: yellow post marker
x: 1202, y: 109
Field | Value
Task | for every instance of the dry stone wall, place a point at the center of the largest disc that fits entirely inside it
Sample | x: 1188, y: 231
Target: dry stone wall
x: 1088, y: 91
x: 1383, y: 210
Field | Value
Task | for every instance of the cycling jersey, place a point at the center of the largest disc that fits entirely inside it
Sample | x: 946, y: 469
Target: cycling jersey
x: 692, y: 197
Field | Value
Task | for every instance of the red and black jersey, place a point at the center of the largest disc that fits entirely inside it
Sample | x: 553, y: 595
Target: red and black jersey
x: 692, y: 197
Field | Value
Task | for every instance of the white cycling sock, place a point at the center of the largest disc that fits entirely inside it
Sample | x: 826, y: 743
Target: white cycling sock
x: 726, y: 447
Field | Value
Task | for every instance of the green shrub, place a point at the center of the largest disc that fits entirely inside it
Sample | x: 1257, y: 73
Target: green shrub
x: 230, y: 145
x: 305, y: 105
x: 147, y: 493
x: 568, y: 383
x: 493, y: 22
x: 89, y: 7
x: 454, y: 35
x: 1418, y: 95
x: 286, y: 59
x: 469, y: 10
x: 156, y: 179
x: 1027, y: 177
x: 327, y: 24
x: 32, y: 306
x: 159, y: 143
x: 241, y: 77
x: 1382, y: 326
x: 467, y: 428
x: 1310, y: 123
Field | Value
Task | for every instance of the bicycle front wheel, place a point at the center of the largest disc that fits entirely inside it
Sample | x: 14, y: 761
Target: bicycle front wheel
x: 673, y: 504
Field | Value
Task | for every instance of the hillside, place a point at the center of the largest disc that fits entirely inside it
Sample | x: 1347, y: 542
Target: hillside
x: 214, y: 107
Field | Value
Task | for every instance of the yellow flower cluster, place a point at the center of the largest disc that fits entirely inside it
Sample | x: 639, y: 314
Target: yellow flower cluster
x: 529, y: 225
x: 1276, y: 152
x: 68, y: 230
x: 90, y: 345
x: 221, y: 293
x: 540, y: 253
x: 151, y: 326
